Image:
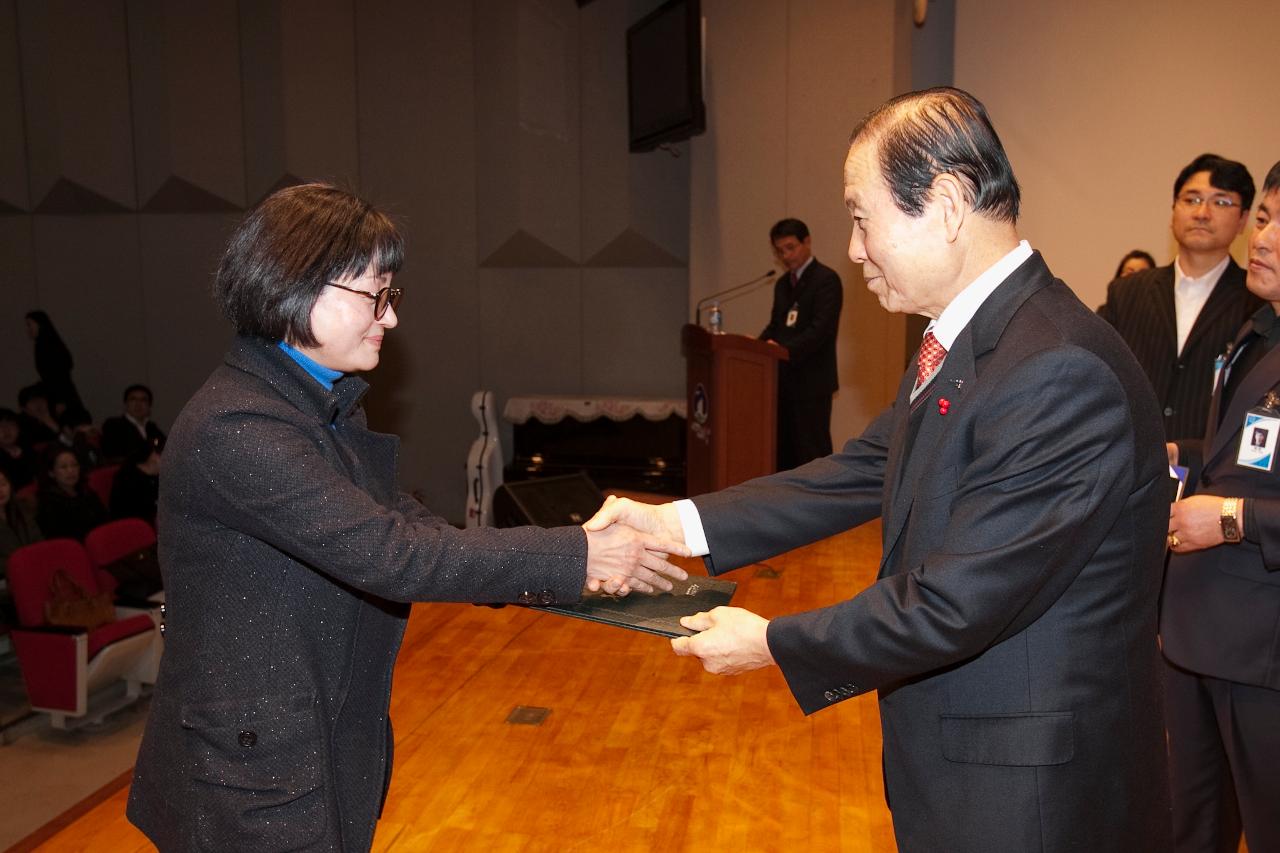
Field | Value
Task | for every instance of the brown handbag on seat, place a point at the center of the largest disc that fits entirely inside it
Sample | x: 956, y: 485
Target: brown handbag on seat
x: 69, y: 605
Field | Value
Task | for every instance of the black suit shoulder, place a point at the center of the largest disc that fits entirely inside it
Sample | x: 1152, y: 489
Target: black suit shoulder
x: 1130, y: 299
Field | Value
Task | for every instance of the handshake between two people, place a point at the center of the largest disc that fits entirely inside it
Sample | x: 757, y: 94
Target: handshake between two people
x: 628, y: 544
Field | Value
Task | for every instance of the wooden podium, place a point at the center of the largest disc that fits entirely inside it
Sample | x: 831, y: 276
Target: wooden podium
x: 732, y: 393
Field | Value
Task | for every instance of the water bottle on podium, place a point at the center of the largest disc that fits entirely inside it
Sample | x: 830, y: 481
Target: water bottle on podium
x: 716, y: 320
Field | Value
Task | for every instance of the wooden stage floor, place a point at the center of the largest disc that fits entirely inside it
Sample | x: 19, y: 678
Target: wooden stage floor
x: 642, y: 751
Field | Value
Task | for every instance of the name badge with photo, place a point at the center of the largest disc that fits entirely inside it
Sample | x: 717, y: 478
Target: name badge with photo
x: 1258, y: 440
x: 793, y: 315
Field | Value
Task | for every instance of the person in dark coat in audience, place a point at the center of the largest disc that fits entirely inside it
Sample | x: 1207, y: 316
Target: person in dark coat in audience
x: 39, y: 428
x: 53, y: 363
x: 66, y: 505
x: 290, y: 557
x: 136, y: 487
x: 16, y: 460
x: 17, y: 523
x: 132, y: 432
x: 76, y: 431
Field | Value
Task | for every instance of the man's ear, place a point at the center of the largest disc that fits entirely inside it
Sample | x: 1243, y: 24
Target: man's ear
x: 947, y: 192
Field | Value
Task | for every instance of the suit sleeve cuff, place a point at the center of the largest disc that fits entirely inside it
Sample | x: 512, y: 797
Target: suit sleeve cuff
x: 694, y: 536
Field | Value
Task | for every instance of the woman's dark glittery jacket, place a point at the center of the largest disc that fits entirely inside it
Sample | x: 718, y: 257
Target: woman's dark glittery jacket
x: 289, y: 557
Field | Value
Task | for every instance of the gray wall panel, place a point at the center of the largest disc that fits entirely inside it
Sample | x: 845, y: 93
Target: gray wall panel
x: 417, y: 120
x: 185, y: 76
x: 527, y: 135
x: 75, y: 75
x: 606, y: 197
x: 497, y: 174
x: 263, y: 97
x: 20, y: 296
x: 185, y: 333
x: 531, y: 329
x: 646, y: 194
x: 13, y: 144
x: 90, y: 283
x: 658, y: 189
x: 318, y: 81
x: 631, y: 321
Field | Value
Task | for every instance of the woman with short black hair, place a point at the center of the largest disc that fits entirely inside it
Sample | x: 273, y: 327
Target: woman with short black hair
x: 289, y: 557
x: 66, y: 506
x: 1135, y: 261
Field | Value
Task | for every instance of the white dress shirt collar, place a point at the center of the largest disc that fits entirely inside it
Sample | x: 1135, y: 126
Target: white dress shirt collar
x: 803, y: 267
x: 967, y: 302
x: 1190, y: 295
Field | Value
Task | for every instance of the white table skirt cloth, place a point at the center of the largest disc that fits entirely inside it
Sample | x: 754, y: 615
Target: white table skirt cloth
x: 553, y: 409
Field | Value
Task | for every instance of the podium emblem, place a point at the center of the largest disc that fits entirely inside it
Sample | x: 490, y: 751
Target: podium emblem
x: 700, y: 411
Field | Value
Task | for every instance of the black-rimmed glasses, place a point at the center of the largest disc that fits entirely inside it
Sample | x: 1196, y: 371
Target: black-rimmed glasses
x: 1196, y: 200
x: 384, y: 298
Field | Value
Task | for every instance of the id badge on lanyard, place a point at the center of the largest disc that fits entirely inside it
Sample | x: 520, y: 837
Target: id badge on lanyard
x: 1220, y: 364
x: 793, y: 315
x: 1258, y: 435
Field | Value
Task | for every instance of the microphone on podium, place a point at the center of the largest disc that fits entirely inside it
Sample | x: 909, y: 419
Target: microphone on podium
x: 715, y: 299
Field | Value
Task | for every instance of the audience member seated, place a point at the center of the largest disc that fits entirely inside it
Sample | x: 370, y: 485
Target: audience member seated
x: 137, y: 485
x: 1135, y: 261
x: 39, y: 427
x: 132, y: 432
x: 16, y: 461
x: 67, y: 506
x: 76, y: 431
x: 17, y: 523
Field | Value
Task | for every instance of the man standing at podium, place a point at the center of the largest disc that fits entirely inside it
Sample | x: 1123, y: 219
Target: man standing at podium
x: 805, y: 319
x: 1023, y: 489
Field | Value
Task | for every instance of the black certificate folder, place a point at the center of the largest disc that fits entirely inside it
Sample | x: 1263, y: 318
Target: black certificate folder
x: 654, y: 613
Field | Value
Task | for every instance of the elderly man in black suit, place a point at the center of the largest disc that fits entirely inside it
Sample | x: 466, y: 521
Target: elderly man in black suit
x: 805, y: 319
x: 1023, y: 489
x: 1178, y: 319
x: 1221, y: 605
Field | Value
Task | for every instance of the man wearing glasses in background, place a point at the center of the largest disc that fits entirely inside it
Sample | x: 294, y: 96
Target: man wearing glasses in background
x: 1179, y: 318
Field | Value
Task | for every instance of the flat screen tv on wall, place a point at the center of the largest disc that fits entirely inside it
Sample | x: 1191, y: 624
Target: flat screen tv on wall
x: 664, y: 75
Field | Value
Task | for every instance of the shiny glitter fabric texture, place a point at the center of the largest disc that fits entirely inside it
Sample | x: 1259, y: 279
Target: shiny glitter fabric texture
x: 289, y: 558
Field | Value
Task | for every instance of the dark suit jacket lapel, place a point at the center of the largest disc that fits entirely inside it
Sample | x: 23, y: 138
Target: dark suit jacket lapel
x: 897, y: 447
x: 1163, y: 309
x: 1248, y: 394
x: 955, y: 381
x: 916, y: 453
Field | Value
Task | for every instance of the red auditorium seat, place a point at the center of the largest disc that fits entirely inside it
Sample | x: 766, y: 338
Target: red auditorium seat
x: 109, y: 542
x: 100, y: 480
x: 66, y: 669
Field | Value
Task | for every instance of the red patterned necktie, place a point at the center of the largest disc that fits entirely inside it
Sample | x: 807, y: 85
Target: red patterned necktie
x: 931, y: 355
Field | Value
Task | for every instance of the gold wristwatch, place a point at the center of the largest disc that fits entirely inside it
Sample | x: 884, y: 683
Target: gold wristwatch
x: 1230, y: 521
